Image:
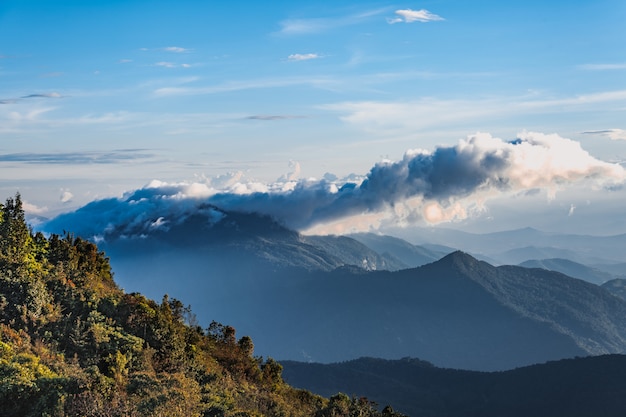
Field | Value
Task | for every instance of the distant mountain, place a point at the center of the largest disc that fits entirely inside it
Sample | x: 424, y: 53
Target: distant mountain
x: 503, y: 246
x: 248, y: 236
x: 310, y: 298
x: 617, y: 269
x: 573, y: 269
x: 457, y: 312
x: 581, y: 387
x: 616, y: 287
x: 519, y: 255
x: 354, y: 252
x: 410, y: 255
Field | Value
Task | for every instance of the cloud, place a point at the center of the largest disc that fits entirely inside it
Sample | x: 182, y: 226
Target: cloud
x: 243, y: 85
x: 572, y: 208
x: 176, y: 49
x: 46, y: 95
x: 410, y: 16
x: 29, y: 96
x: 603, y: 67
x: 389, y: 116
x: 614, y: 134
x: 76, y: 157
x: 30, y: 208
x: 274, y: 117
x: 448, y: 183
x: 167, y: 64
x: 293, y: 174
x: 302, y: 57
x: 317, y: 25
x: 66, y: 196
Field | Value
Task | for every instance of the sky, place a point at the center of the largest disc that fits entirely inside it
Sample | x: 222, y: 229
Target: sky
x: 514, y: 111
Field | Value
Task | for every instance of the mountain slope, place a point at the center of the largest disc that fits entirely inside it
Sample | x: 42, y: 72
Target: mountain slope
x: 411, y: 255
x: 273, y: 284
x: 592, y: 386
x: 616, y: 287
x: 515, y: 246
x: 72, y: 343
x: 572, y: 269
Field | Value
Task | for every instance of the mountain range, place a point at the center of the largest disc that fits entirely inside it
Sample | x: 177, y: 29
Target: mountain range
x: 578, y: 387
x: 328, y: 299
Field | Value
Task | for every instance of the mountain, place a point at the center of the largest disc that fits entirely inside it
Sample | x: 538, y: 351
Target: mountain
x: 456, y: 312
x: 519, y: 255
x: 351, y: 251
x: 619, y: 269
x: 410, y: 255
x: 573, y: 269
x: 581, y: 387
x: 246, y: 236
x: 314, y: 296
x: 72, y: 343
x: 616, y: 287
x: 515, y: 246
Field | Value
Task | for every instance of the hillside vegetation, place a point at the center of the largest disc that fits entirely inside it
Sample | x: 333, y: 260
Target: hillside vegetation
x: 72, y: 343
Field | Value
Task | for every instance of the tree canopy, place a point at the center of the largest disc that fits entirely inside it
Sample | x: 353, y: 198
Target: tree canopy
x: 72, y: 343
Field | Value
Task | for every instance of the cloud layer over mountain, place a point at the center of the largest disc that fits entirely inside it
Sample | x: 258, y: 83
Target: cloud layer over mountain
x: 439, y: 185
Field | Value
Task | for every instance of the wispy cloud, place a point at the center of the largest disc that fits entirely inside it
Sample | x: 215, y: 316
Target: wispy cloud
x: 30, y: 96
x: 429, y: 112
x: 243, y: 85
x: 44, y: 95
x: 318, y: 25
x: 303, y: 57
x: 176, y: 49
x: 167, y: 64
x: 603, y: 67
x: 410, y: 16
x: 77, y: 158
x: 275, y: 117
x: 614, y: 134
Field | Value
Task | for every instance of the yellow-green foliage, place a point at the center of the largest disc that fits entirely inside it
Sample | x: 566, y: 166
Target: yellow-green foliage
x: 73, y: 344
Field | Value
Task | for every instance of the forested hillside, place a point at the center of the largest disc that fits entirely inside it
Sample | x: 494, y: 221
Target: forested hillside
x: 72, y: 343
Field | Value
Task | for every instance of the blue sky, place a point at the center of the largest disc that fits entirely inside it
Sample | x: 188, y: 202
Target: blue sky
x: 101, y: 97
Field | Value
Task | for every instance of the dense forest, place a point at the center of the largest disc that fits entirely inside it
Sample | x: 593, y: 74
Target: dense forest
x: 72, y: 343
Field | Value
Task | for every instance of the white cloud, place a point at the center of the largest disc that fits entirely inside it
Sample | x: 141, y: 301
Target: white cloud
x: 603, y: 67
x: 167, y: 64
x: 30, y: 208
x: 397, y: 116
x: 66, y: 196
x: 303, y: 57
x: 572, y: 208
x: 317, y: 25
x: 614, y: 134
x: 176, y: 49
x: 410, y: 16
x: 243, y: 85
x: 446, y: 184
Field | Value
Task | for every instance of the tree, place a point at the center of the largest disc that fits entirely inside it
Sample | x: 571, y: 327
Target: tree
x: 16, y: 241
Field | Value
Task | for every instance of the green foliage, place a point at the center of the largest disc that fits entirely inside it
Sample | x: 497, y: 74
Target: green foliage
x: 73, y: 344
